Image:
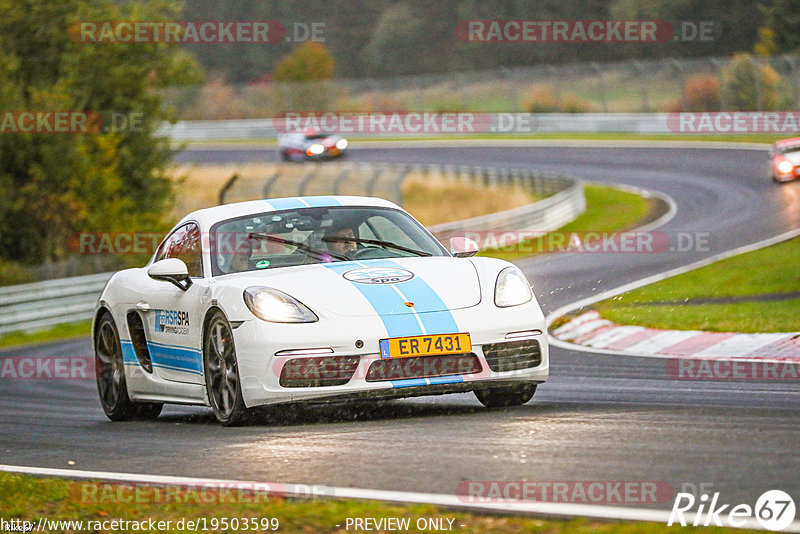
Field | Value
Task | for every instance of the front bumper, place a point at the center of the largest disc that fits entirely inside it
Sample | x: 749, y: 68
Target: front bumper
x: 257, y: 343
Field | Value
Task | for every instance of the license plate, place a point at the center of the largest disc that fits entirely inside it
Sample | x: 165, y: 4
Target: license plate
x: 404, y: 347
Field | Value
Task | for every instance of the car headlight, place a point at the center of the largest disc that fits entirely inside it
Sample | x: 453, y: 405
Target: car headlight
x: 315, y: 149
x: 341, y: 144
x: 276, y: 306
x: 511, y: 288
x: 785, y: 166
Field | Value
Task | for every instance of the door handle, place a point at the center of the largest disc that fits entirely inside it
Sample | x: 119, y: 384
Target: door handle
x: 143, y: 306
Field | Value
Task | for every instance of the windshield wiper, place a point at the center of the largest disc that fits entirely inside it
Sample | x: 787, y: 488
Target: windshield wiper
x: 379, y: 242
x: 321, y: 254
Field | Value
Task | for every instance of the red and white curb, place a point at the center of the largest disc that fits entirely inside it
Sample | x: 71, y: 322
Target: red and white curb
x: 591, y: 330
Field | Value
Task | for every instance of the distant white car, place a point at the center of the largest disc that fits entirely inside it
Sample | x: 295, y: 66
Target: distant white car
x: 784, y: 163
x: 308, y: 298
x: 301, y: 146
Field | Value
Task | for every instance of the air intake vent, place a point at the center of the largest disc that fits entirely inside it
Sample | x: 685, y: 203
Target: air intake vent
x: 513, y: 355
x: 423, y: 367
x: 136, y: 328
x: 318, y: 372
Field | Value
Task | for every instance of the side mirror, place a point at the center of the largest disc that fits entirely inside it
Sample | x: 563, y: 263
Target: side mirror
x: 171, y: 270
x: 463, y: 247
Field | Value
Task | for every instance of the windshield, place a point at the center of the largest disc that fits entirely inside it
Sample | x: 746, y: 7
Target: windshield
x: 789, y: 149
x: 287, y: 238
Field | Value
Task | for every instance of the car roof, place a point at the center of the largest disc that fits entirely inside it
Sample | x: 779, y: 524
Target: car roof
x: 209, y: 216
x: 787, y: 142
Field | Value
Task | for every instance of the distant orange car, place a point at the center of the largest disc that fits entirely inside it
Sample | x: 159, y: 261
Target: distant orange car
x: 785, y: 160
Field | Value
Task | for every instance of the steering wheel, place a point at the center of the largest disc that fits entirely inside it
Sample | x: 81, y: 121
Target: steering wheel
x: 364, y: 252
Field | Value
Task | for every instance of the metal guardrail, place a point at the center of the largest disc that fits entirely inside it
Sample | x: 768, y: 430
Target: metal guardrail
x: 544, y: 216
x: 53, y: 302
x: 43, y: 304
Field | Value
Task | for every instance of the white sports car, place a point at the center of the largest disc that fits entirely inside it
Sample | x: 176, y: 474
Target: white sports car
x: 310, y: 298
x: 310, y: 145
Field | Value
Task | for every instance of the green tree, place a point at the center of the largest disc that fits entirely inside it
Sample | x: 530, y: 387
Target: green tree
x: 781, y: 30
x: 304, y: 73
x: 748, y: 86
x: 307, y: 63
x: 53, y: 185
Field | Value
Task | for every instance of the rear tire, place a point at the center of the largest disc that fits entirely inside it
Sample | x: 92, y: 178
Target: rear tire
x: 504, y: 396
x: 110, y: 372
x: 222, y: 372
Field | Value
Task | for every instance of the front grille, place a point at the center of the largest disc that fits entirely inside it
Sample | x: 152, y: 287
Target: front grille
x: 423, y: 367
x: 318, y: 372
x: 513, y: 355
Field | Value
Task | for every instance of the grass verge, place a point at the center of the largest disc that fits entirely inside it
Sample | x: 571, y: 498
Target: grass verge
x: 608, y: 209
x: 28, y: 498
x: 771, y: 270
x: 56, y: 333
x: 423, y: 198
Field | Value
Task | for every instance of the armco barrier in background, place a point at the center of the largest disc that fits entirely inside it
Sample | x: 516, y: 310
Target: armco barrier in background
x: 504, y: 123
x: 65, y: 300
x: 44, y: 304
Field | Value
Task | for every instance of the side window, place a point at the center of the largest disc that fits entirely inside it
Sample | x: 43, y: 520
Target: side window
x: 165, y: 245
x: 185, y: 244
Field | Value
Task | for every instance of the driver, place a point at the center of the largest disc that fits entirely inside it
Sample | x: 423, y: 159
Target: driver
x: 341, y: 247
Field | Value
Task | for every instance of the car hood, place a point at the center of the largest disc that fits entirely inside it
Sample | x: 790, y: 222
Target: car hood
x: 370, y: 287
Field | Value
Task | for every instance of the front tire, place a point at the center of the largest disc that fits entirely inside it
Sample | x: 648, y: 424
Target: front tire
x: 110, y: 372
x: 222, y: 372
x: 505, y: 396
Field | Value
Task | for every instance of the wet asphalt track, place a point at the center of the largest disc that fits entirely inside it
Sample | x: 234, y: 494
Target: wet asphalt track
x: 599, y: 417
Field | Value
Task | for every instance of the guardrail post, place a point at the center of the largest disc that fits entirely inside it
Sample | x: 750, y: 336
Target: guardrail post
x: 269, y: 183
x: 339, y: 181
x: 374, y: 179
x: 398, y: 185
x: 301, y: 189
x: 226, y: 188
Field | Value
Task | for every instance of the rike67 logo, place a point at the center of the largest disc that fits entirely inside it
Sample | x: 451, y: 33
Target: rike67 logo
x: 774, y: 510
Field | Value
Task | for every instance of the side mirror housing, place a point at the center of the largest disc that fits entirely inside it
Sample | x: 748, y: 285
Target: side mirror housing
x: 171, y: 270
x: 463, y: 247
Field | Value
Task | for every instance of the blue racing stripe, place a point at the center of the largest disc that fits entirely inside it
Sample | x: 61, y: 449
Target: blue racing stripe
x: 128, y: 354
x: 178, y: 369
x: 321, y: 202
x: 425, y: 299
x: 385, y: 301
x: 409, y: 383
x: 176, y: 358
x: 285, y: 203
x: 446, y: 379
